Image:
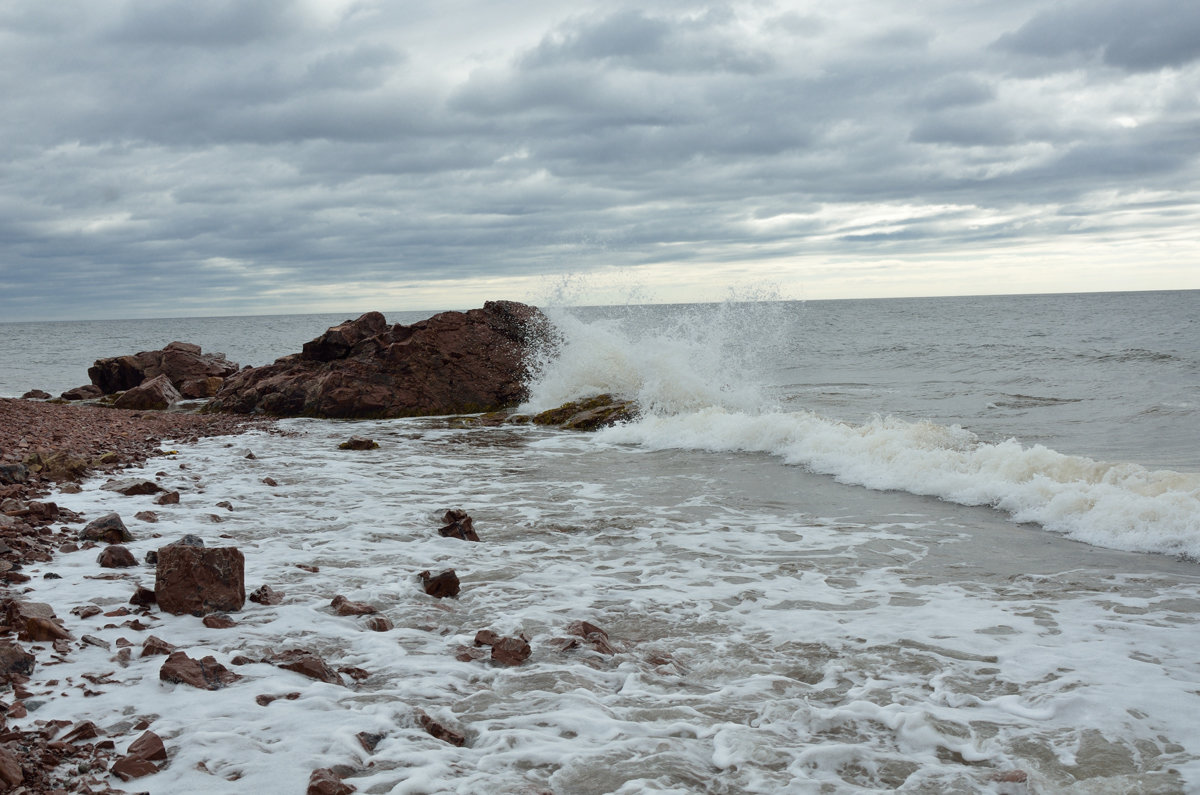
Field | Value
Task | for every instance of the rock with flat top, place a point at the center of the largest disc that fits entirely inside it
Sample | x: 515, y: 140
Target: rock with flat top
x: 200, y: 580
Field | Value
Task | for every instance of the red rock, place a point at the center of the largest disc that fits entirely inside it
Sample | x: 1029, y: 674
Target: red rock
x: 325, y: 782
x: 593, y: 635
x: 155, y: 645
x: 169, y: 498
x: 452, y: 363
x: 10, y: 770
x: 156, y: 394
x: 458, y: 525
x: 199, y: 580
x: 270, y: 481
x: 219, y: 621
x: 35, y: 394
x: 305, y: 662
x: 85, y: 392
x: 146, y: 516
x: 486, y: 637
x: 1011, y: 777
x: 148, y: 746
x: 344, y: 607
x: 369, y: 740
x: 441, y: 585
x: 142, y: 597
x: 15, y: 660
x: 108, y: 528
x: 355, y: 673
x: 266, y: 595
x: 92, y: 640
x: 510, y: 651
x: 193, y: 373
x: 83, y: 730
x: 42, y: 630
x: 132, y: 487
x: 379, y: 623
x: 205, y: 673
x: 469, y: 654
x: 86, y: 611
x: 438, y: 730
x: 116, y: 557
x: 128, y: 768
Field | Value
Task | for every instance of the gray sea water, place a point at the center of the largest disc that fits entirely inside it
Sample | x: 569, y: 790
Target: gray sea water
x: 920, y: 545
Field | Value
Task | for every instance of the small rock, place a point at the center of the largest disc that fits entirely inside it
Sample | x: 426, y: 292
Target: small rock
x: 142, y: 597
x: 92, y: 640
x: 198, y: 580
x: 146, y: 516
x: 116, y: 557
x: 169, y: 498
x: 510, y: 651
x: 15, y: 660
x: 155, y: 646
x: 359, y: 443
x: 205, y: 673
x: 219, y: 621
x: 379, y: 623
x: 266, y: 595
x: 128, y: 768
x: 132, y: 487
x: 270, y: 481
x: 344, y: 607
x: 85, y: 392
x: 35, y: 394
x: 458, y: 525
x: 42, y: 630
x: 438, y: 730
x: 325, y: 782
x: 148, y: 746
x: 108, y: 528
x: 86, y: 611
x: 226, y: 504
x: 441, y: 585
x: 370, y: 740
x: 305, y: 662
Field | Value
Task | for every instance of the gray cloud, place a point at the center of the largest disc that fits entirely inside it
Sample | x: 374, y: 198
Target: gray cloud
x: 167, y: 158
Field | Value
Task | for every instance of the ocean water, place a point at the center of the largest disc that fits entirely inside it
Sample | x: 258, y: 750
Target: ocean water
x: 859, y: 546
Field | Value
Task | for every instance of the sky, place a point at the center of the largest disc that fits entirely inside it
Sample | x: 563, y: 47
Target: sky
x: 166, y: 158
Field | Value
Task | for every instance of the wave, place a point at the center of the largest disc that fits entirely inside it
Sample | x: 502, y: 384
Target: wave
x: 699, y: 392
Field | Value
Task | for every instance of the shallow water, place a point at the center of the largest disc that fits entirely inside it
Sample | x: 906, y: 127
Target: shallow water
x: 777, y: 631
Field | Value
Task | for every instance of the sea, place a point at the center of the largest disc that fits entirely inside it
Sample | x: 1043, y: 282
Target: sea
x: 930, y: 545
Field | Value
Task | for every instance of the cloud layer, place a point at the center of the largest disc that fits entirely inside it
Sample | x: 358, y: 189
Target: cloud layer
x: 167, y: 157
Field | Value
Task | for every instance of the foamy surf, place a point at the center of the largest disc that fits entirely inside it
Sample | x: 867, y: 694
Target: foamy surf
x: 701, y: 384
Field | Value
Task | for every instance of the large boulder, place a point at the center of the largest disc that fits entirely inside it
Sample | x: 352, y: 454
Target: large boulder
x: 193, y: 373
x: 156, y: 394
x: 451, y: 363
x: 200, y: 580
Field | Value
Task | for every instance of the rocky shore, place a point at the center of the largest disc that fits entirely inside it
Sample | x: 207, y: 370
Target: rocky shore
x: 45, y: 446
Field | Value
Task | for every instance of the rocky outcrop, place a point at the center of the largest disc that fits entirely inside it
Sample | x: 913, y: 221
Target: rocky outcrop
x: 193, y: 373
x: 453, y: 362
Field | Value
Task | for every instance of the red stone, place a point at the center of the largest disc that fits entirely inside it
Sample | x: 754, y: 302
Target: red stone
x: 305, y: 662
x: 128, y: 768
x: 441, y: 585
x: 219, y: 621
x: 458, y: 525
x: 266, y: 595
x: 205, y: 673
x: 199, y: 580
x: 438, y: 730
x: 148, y: 746
x: 153, y: 395
x: 108, y: 528
x: 325, y: 782
x: 379, y: 623
x: 116, y: 557
x: 155, y: 645
x: 510, y: 651
x: 344, y: 607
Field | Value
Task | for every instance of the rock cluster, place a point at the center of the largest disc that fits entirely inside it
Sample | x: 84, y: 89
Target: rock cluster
x: 453, y: 362
x: 183, y: 367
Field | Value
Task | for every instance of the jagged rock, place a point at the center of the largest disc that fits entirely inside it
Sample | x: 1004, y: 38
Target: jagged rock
x: 132, y: 487
x: 452, y: 363
x: 325, y: 782
x: 85, y: 392
x: 458, y: 525
x: 193, y: 373
x: 153, y: 395
x: 344, y: 607
x: 589, y: 414
x: 108, y: 528
x: 15, y: 660
x: 148, y: 746
x: 199, y: 580
x: 142, y: 597
x: 305, y: 662
x: 593, y: 635
x: 506, y: 651
x: 438, y: 730
x: 155, y: 645
x: 440, y: 585
x: 205, y: 673
x: 116, y: 557
x: 266, y: 595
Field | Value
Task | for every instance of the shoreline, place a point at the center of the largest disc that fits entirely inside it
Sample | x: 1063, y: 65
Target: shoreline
x: 47, y: 447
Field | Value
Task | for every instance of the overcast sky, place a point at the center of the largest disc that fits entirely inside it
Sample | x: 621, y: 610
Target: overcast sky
x: 208, y: 157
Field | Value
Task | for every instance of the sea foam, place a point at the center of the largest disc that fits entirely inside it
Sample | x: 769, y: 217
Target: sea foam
x: 698, y: 383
